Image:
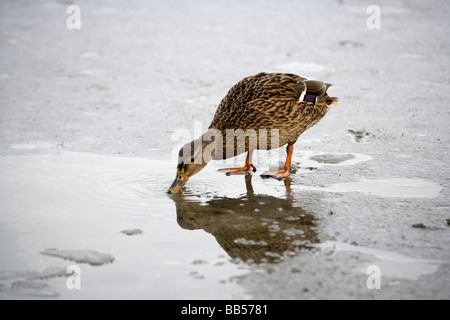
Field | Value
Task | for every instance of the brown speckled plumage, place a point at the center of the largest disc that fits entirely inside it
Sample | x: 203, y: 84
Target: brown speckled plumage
x: 263, y: 111
x: 271, y: 101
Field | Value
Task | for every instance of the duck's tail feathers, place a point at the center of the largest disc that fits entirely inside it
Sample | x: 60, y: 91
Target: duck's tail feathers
x: 334, y: 102
x: 327, y: 101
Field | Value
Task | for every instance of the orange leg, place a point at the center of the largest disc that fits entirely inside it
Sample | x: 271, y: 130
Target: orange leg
x: 248, y: 168
x: 287, y: 166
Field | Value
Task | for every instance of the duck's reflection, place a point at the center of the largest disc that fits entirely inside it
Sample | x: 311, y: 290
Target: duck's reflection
x: 256, y: 228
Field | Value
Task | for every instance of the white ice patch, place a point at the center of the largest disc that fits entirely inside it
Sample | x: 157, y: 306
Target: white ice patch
x: 91, y: 257
x: 301, y: 68
x: 390, y: 188
x: 33, y: 145
x: 386, y: 10
x: 307, y: 160
x: 321, y: 159
x: 392, y: 264
x: 90, y: 72
x: 89, y: 54
x: 408, y: 55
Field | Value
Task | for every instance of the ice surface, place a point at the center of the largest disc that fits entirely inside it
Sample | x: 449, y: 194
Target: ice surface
x: 403, y: 188
x: 30, y: 284
x: 117, y: 91
x: 131, y: 232
x: 92, y: 257
x: 331, y: 158
x: 392, y: 264
x: 391, y: 188
x: 50, y: 272
x: 310, y: 68
x: 27, y: 288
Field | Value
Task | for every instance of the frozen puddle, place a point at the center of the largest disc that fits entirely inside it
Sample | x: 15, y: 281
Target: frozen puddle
x: 321, y: 159
x: 391, y: 264
x: 390, y: 188
x: 305, y: 161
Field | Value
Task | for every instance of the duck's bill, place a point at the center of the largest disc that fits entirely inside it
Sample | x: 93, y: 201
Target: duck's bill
x: 178, y: 183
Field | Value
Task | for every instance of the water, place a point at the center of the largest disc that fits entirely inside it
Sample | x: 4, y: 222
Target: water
x: 60, y: 210
x: 74, y: 203
x: 111, y: 217
x: 73, y: 208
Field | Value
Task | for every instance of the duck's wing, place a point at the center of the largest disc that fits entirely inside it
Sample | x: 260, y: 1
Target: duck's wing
x: 247, y: 101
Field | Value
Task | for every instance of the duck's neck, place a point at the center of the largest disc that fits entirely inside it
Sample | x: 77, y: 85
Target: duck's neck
x: 206, y: 146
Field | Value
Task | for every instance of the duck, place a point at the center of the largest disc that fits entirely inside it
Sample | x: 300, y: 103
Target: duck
x: 261, y: 112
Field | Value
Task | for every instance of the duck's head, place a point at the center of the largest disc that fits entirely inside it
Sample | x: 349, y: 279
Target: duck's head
x: 189, y: 163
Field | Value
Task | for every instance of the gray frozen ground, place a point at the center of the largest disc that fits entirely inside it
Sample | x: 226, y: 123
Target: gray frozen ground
x: 89, y: 119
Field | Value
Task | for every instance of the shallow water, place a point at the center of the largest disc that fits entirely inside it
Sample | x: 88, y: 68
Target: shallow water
x: 77, y: 203
x: 111, y: 217
x: 72, y: 204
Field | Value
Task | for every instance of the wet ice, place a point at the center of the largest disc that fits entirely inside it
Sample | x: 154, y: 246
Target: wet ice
x: 116, y: 95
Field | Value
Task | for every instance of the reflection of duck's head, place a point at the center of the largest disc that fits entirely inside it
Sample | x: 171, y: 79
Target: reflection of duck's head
x: 252, y: 227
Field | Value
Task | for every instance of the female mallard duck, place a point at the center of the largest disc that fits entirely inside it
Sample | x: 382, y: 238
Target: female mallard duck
x: 263, y: 111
